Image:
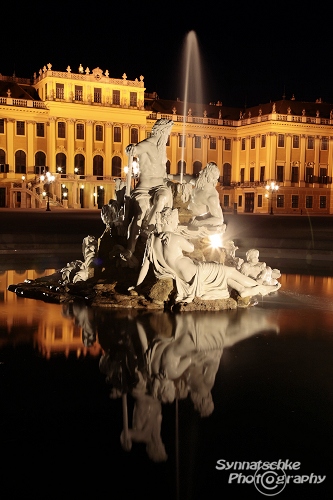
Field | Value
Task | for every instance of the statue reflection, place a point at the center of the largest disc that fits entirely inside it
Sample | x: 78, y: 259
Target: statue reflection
x: 158, y: 358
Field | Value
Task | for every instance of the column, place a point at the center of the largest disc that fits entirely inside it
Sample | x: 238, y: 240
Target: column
x: 126, y: 136
x: 235, y: 152
x: 51, y: 143
x: 257, y: 162
x: 89, y: 139
x: 173, y: 141
x: 220, y: 142
x: 108, y: 147
x: 316, y: 154
x: 205, y: 150
x: 302, y: 160
x: 30, y: 138
x: 70, y: 145
x: 287, y: 174
x: 10, y: 146
x: 189, y: 149
x: 247, y: 158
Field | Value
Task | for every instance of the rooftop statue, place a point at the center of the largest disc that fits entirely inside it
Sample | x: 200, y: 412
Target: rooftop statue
x: 205, y: 202
x: 152, y: 192
x: 207, y: 280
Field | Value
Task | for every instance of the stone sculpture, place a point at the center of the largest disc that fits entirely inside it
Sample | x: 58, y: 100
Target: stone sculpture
x: 207, y: 280
x: 153, y: 191
x: 259, y: 271
x: 79, y: 270
x: 205, y: 202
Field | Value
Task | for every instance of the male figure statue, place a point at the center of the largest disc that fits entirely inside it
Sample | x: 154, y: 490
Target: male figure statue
x: 152, y: 193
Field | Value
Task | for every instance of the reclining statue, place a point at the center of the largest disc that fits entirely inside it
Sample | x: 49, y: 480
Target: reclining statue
x: 206, y: 280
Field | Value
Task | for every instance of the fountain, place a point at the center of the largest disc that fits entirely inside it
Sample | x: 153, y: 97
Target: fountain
x: 192, y: 83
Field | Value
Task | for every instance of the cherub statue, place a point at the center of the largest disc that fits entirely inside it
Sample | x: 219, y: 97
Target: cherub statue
x: 205, y: 202
x: 259, y: 271
x: 206, y: 280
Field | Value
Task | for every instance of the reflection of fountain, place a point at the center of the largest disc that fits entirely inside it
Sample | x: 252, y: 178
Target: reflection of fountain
x: 192, y: 84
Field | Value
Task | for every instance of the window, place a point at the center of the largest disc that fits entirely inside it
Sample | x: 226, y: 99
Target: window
x: 263, y: 141
x: 181, y: 141
x: 78, y: 95
x: 197, y: 141
x: 2, y: 126
x: 281, y: 141
x: 79, y: 164
x: 322, y: 201
x: 294, y: 174
x: 2, y: 157
x: 227, y: 144
x: 197, y: 167
x: 253, y: 142
x: 251, y: 174
x: 308, y: 201
x: 40, y: 159
x: 259, y: 200
x: 117, y: 134
x: 40, y: 129
x: 243, y: 144
x: 97, y: 95
x: 262, y: 174
x: 134, y: 135
x: 310, y: 142
x: 280, y: 200
x: 98, y: 166
x: 133, y: 99
x: 294, y: 201
x: 99, y: 132
x: 116, y: 97
x: 324, y: 144
x: 20, y: 162
x: 61, y: 130
x: 309, y: 174
x: 280, y: 173
x: 59, y: 91
x: 212, y: 143
x: 240, y: 200
x: 323, y: 175
x: 61, y: 163
x: 80, y: 131
x: 226, y: 200
x: 20, y: 128
x: 116, y: 166
x: 181, y: 166
x: 226, y: 174
x: 242, y: 175
x: 295, y: 141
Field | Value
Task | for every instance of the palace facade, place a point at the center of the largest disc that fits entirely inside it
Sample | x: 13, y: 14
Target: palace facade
x: 75, y: 126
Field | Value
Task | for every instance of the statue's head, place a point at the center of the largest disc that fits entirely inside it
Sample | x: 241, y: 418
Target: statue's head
x: 210, y: 174
x: 162, y: 126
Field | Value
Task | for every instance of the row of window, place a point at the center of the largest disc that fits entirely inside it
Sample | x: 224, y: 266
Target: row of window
x: 280, y: 201
x: 79, y: 131
x: 281, y: 142
x: 96, y: 96
x: 309, y: 176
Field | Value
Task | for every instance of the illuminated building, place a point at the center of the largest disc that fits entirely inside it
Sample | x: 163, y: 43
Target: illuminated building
x: 76, y: 125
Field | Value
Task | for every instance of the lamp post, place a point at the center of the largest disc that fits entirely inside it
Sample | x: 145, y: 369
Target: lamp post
x: 271, y: 188
x: 48, y: 178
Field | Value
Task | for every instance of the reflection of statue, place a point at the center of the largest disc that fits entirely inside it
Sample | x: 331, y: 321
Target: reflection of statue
x: 152, y: 193
x: 206, y: 280
x: 258, y: 270
x: 146, y: 424
x: 205, y: 202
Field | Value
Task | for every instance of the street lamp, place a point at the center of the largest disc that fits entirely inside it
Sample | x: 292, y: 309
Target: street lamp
x: 271, y: 188
x: 132, y: 170
x: 47, y: 179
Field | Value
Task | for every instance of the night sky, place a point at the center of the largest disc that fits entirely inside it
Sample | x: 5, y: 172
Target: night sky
x: 249, y: 53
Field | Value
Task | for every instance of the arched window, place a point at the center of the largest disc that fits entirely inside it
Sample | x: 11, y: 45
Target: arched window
x: 197, y: 167
x: 134, y: 135
x: 98, y: 165
x: 79, y: 163
x: 2, y: 157
x: 20, y: 162
x: 179, y: 166
x: 61, y: 163
x: 226, y: 180
x: 40, y: 159
x: 116, y: 167
x: 168, y: 165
